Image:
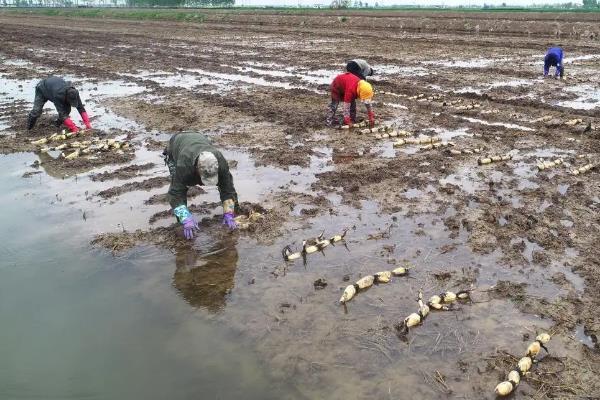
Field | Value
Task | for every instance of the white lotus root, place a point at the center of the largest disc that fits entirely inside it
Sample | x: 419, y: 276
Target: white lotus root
x: 584, y: 169
x: 491, y: 159
x: 308, y: 246
x: 573, y: 122
x: 523, y: 366
x: 400, y: 271
x: 457, y: 152
x: 437, y: 302
x: 362, y: 283
x: 387, y: 134
x: 369, y: 280
x: 81, y: 147
x: 361, y: 124
x: 414, y: 319
x: 542, y: 165
x: 56, y: 137
x: 245, y: 221
x: 422, y: 140
x: 436, y: 145
x: 383, y: 277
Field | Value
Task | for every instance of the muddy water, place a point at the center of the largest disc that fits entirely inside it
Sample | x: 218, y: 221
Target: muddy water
x: 79, y: 323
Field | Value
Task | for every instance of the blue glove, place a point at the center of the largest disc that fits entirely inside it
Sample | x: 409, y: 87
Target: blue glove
x: 189, y: 225
x: 229, y: 220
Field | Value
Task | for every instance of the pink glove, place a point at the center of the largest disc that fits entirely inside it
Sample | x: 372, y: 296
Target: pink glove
x: 371, y: 115
x: 86, y: 120
x: 229, y: 220
x: 71, y: 125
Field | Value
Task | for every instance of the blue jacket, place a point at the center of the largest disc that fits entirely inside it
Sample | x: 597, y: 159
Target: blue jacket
x: 554, y: 58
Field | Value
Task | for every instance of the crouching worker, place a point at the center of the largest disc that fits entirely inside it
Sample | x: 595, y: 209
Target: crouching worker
x: 554, y: 58
x: 193, y: 160
x: 346, y: 88
x: 64, y: 96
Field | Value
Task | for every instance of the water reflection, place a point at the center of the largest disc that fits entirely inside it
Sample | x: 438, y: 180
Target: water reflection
x: 205, y: 277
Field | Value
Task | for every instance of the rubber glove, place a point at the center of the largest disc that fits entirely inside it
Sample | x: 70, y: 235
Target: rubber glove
x: 347, y: 121
x: 189, y: 225
x: 229, y: 220
x: 371, y: 115
x: 86, y: 120
x: 71, y: 125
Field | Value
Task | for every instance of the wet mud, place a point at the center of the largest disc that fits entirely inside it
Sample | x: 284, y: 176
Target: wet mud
x: 523, y: 239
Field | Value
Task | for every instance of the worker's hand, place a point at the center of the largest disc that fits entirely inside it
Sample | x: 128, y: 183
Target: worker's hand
x: 86, y: 120
x: 189, y: 226
x: 229, y: 220
x: 371, y: 115
x: 71, y: 125
x: 347, y: 121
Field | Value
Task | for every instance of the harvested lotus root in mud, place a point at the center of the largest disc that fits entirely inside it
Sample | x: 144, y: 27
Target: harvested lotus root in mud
x: 491, y: 159
x: 523, y: 366
x: 362, y: 124
x: 392, y: 94
x: 312, y: 246
x: 421, y: 140
x: 413, y: 319
x: 573, y: 122
x: 542, y: 164
x: 367, y: 281
x: 245, y: 221
x: 96, y: 146
x: 83, y: 147
x: 457, y: 152
x: 436, y: 145
x: 584, y: 169
x: 422, y: 97
x: 57, y: 137
x: 439, y: 301
x: 393, y: 133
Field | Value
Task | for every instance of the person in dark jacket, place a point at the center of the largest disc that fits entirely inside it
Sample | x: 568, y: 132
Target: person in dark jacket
x: 554, y: 58
x: 193, y: 160
x: 64, y: 96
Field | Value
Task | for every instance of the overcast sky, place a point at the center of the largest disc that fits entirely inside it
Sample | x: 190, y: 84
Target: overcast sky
x: 402, y: 2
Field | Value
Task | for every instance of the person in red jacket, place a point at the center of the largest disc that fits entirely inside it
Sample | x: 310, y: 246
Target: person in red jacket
x: 346, y: 88
x: 64, y: 96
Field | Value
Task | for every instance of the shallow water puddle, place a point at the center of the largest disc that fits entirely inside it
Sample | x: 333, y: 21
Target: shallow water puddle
x: 588, y: 97
x: 589, y: 341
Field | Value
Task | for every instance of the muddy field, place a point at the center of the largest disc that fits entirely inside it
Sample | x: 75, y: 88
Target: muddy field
x: 257, y: 84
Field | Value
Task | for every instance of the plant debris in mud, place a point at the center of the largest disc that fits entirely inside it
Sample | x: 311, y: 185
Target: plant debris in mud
x: 147, y: 184
x: 128, y: 172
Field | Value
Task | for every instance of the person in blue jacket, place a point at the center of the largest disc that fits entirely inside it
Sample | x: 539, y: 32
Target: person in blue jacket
x: 554, y: 58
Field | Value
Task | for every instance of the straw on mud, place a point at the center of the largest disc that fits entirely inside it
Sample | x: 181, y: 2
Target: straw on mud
x: 436, y: 380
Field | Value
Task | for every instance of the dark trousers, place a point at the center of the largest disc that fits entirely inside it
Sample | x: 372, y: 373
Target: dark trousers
x: 331, y: 118
x: 38, y: 105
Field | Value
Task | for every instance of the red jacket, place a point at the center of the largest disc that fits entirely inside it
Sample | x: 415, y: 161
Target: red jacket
x: 343, y: 87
